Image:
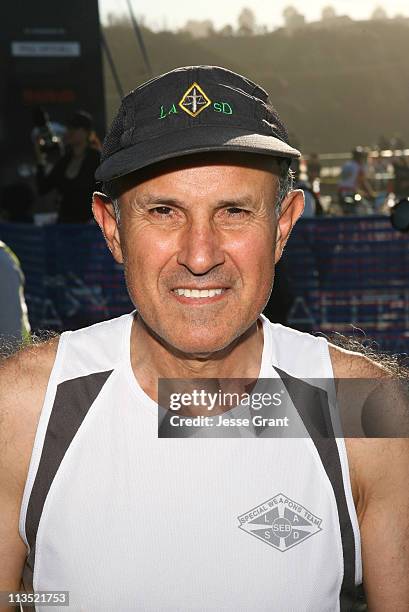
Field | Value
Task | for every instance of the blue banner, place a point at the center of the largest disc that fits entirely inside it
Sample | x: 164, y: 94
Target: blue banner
x: 344, y: 273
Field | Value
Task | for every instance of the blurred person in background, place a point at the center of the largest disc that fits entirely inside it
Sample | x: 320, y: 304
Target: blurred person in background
x: 313, y: 167
x: 14, y: 325
x: 354, y: 189
x: 47, y: 136
x: 401, y: 177
x: 397, y: 142
x: 353, y: 177
x: 73, y: 175
x: 312, y: 204
x: 308, y: 181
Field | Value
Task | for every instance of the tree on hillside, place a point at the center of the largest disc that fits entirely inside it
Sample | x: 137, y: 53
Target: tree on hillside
x: 118, y: 19
x: 226, y: 30
x: 199, y: 29
x: 292, y: 18
x: 329, y: 57
x: 379, y: 14
x: 328, y: 13
x: 246, y: 22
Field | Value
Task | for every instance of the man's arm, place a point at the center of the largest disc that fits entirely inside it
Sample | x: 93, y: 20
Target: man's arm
x: 380, y: 469
x: 23, y: 383
x: 383, y: 514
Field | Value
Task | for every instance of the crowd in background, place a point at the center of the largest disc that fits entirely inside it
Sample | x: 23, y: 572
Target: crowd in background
x: 61, y: 192
x: 369, y: 182
x: 67, y: 156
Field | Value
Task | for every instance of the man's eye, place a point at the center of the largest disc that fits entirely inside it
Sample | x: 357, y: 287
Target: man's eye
x: 235, y: 211
x: 163, y: 211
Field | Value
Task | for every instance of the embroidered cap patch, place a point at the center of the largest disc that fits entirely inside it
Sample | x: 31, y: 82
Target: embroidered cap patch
x: 194, y: 100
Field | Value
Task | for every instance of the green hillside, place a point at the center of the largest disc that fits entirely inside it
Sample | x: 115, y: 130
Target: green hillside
x: 335, y: 87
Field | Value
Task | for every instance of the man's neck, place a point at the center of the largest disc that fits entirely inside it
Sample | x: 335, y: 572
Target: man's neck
x: 152, y: 359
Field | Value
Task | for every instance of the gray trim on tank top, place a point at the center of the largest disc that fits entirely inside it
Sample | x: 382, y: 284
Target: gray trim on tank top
x: 77, y: 394
x: 312, y: 405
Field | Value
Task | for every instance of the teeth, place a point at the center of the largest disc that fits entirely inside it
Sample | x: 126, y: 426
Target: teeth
x: 198, y: 293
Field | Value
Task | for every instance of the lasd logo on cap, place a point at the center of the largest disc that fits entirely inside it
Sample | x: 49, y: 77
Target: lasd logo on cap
x: 194, y: 100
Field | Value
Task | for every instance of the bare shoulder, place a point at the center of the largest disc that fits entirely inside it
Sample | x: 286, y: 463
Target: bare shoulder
x: 353, y: 364
x: 378, y: 465
x: 23, y: 382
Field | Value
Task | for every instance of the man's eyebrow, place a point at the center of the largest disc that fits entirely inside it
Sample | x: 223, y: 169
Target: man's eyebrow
x: 146, y: 201
x: 236, y: 201
x: 151, y: 200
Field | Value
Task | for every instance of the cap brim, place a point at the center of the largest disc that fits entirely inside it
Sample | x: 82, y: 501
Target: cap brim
x: 187, y: 142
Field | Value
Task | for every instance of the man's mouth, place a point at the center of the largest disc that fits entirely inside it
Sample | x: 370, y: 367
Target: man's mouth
x: 189, y: 293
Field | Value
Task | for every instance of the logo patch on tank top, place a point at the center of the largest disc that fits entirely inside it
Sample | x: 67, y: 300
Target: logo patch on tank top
x: 280, y: 522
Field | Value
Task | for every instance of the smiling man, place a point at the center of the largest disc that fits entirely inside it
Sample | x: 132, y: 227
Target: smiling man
x: 212, y: 220
x: 197, y: 204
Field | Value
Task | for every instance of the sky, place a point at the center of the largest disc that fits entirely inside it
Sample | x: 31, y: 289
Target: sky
x: 168, y: 14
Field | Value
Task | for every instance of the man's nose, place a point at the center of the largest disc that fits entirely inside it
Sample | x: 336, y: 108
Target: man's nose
x: 200, y: 247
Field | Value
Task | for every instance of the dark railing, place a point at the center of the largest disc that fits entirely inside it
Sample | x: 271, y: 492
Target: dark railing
x: 343, y: 273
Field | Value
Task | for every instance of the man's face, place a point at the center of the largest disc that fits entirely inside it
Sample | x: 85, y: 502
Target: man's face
x: 198, y: 244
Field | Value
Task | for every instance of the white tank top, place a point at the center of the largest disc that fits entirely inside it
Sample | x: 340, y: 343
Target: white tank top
x: 125, y: 520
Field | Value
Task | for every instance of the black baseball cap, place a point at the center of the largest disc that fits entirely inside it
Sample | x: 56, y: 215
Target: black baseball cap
x: 190, y: 110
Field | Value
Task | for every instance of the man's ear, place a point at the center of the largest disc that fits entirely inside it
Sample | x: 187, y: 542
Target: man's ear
x: 291, y: 210
x: 104, y: 214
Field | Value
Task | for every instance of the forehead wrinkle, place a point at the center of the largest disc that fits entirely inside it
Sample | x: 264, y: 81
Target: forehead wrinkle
x: 142, y: 199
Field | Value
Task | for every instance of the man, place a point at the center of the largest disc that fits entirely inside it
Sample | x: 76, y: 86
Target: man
x: 72, y: 176
x: 401, y: 177
x: 353, y: 180
x: 197, y: 204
